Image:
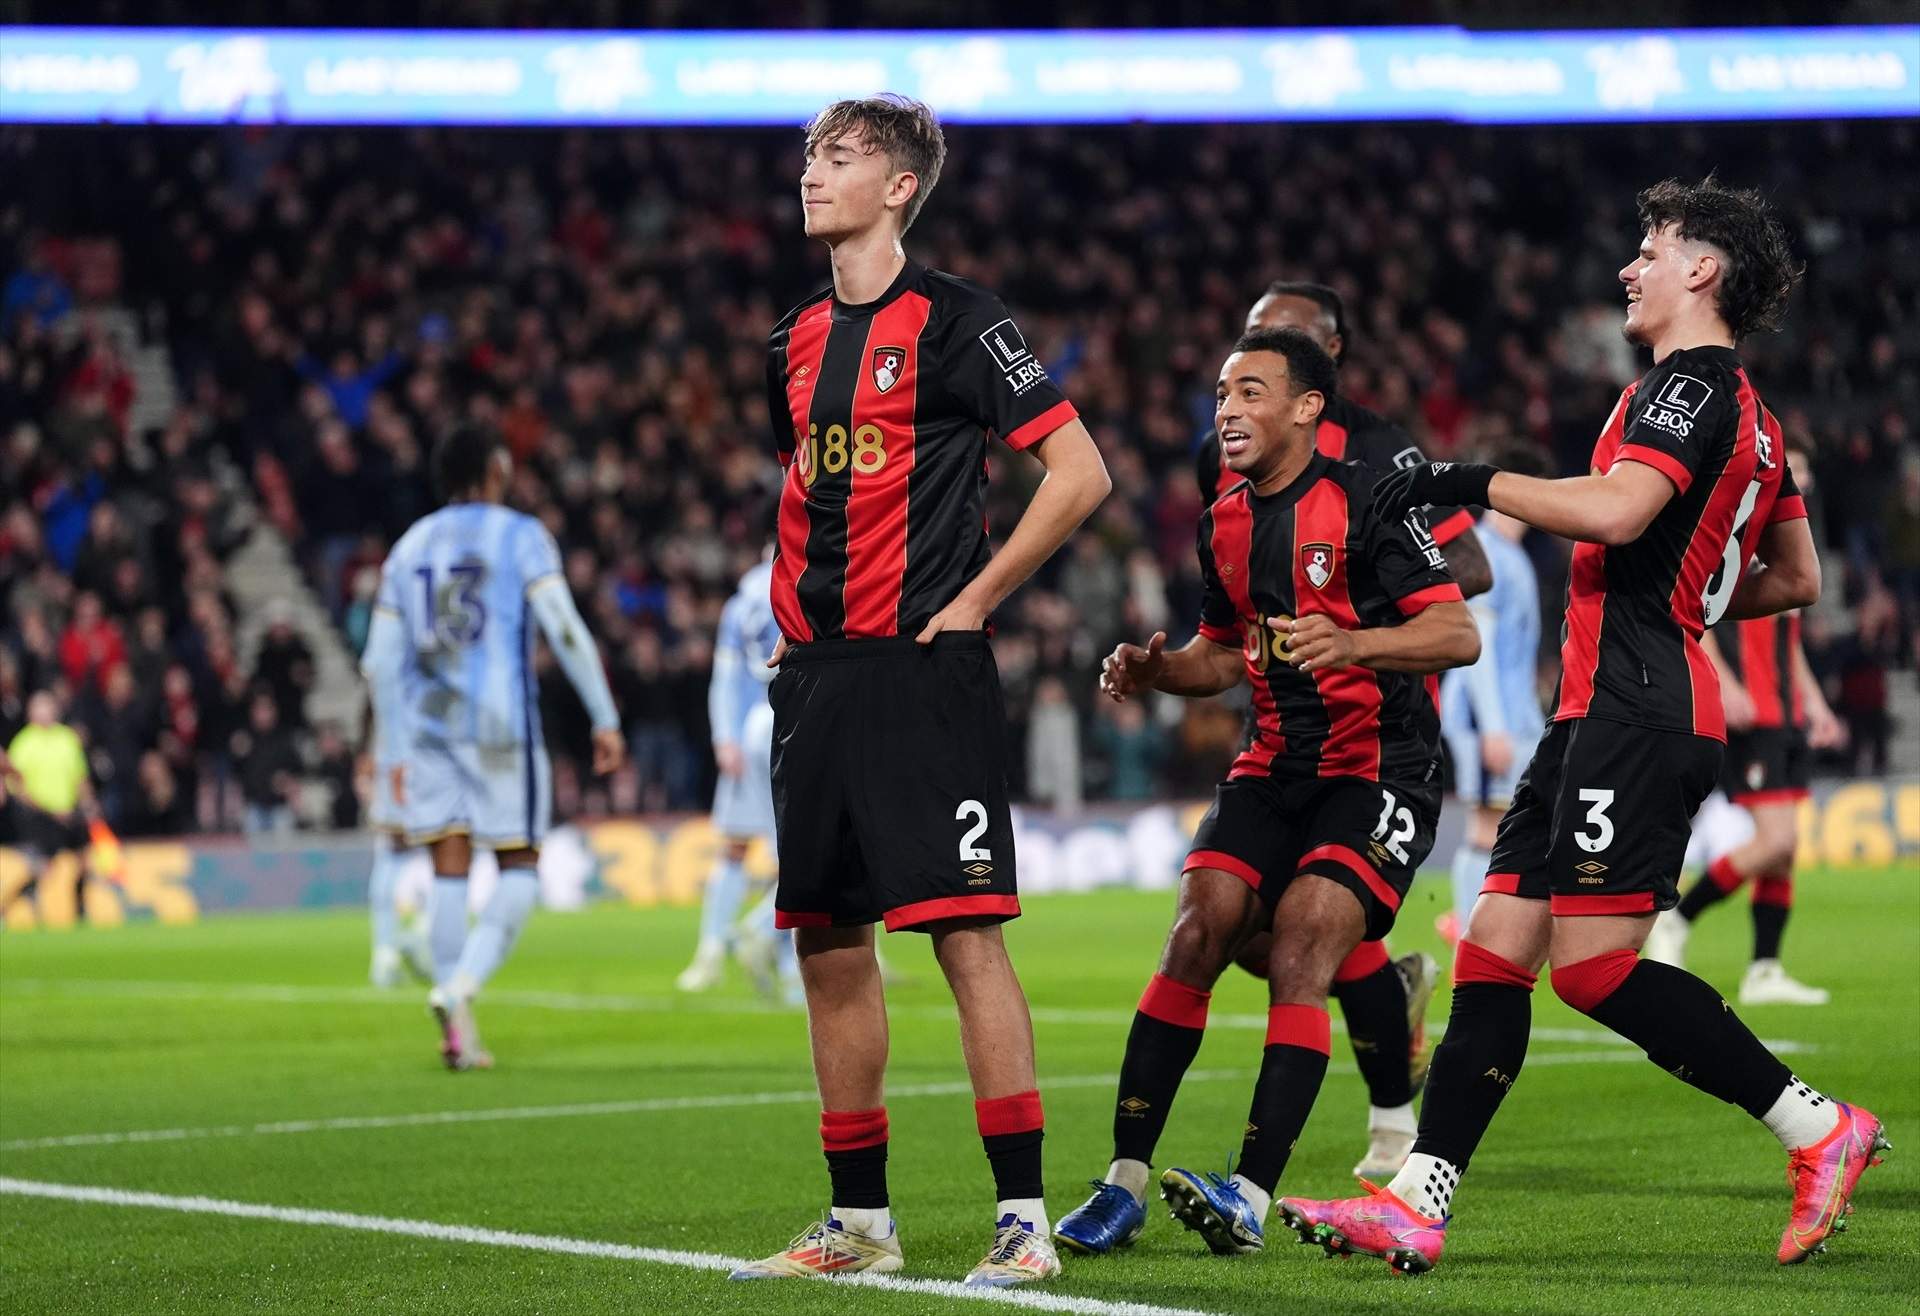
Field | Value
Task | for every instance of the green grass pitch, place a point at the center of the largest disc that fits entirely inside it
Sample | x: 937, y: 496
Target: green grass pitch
x: 1604, y: 1186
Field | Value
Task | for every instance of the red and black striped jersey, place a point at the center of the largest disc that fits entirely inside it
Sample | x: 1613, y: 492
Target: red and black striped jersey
x: 880, y: 417
x: 1759, y: 652
x: 1630, y: 647
x: 1347, y: 432
x: 1316, y: 546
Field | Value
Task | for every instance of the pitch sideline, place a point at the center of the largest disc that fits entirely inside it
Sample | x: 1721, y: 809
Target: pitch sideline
x: 1025, y: 1299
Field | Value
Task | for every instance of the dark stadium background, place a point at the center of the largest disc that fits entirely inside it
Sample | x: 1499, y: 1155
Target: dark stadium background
x: 209, y: 331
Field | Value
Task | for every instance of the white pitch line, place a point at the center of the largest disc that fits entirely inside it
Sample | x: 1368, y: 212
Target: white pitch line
x: 1027, y: 1299
x: 289, y: 994
x: 641, y: 1106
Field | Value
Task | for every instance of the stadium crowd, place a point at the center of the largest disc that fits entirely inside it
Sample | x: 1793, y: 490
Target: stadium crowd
x: 333, y: 301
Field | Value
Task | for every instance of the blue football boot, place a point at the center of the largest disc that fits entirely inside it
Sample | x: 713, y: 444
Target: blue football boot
x: 1212, y: 1208
x: 1109, y: 1219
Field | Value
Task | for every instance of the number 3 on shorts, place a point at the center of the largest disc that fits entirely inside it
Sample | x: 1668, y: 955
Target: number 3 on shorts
x: 1601, y: 837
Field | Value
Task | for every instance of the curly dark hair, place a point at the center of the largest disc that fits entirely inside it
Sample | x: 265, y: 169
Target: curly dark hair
x: 1308, y: 365
x: 1759, y: 269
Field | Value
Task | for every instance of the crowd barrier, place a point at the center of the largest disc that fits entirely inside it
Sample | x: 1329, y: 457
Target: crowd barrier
x: 663, y: 861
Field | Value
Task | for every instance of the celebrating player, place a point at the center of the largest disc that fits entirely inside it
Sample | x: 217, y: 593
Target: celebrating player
x: 1490, y: 712
x: 1689, y: 483
x: 1333, y: 613
x: 449, y: 660
x: 1384, y: 1000
x: 889, y: 772
x: 742, y: 723
x: 1776, y: 716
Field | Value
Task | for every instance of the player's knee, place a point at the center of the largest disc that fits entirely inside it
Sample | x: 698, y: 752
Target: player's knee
x: 1199, y: 947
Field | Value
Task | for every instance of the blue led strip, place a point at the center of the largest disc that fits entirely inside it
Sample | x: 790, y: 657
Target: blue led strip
x: 185, y: 75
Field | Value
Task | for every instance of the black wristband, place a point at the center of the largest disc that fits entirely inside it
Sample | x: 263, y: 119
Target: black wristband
x: 1467, y: 484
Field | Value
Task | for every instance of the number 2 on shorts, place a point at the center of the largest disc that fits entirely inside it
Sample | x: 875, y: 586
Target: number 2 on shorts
x: 978, y: 812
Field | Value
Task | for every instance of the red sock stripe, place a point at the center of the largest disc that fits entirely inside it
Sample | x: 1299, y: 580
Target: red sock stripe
x: 1174, y: 1003
x: 850, y: 1130
x: 1722, y: 874
x: 1774, y: 889
x: 1019, y: 1113
x: 1304, y: 1026
x: 1591, y: 981
x: 1367, y: 959
x: 1473, y: 963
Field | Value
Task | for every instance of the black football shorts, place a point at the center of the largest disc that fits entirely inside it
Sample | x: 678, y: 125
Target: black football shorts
x: 1600, y: 820
x: 1767, y: 765
x: 890, y: 784
x: 1364, y: 835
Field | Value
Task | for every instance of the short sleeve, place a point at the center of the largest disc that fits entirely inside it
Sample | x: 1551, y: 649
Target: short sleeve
x: 997, y: 380
x: 1219, y: 619
x: 779, y: 416
x: 1788, y: 505
x: 1407, y: 562
x: 538, y: 556
x: 1672, y: 421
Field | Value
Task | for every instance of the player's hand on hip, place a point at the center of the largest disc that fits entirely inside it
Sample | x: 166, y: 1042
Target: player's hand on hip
x: 1130, y: 669
x: 1496, y: 752
x: 1737, y: 704
x: 779, y: 652
x: 959, y: 615
x: 1447, y: 484
x: 609, y: 749
x: 728, y: 758
x: 1315, y: 644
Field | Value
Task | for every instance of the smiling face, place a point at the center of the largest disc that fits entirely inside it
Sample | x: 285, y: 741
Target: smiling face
x: 849, y: 186
x: 1667, y: 271
x: 1260, y: 416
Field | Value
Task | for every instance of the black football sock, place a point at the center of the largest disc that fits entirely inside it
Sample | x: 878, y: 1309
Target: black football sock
x: 856, y: 1145
x: 1772, y: 902
x: 1011, y: 1129
x: 1291, y: 1070
x: 1715, y: 885
x: 1374, y: 1001
x: 1166, y: 1036
x: 1680, y: 1022
x: 1478, y: 1061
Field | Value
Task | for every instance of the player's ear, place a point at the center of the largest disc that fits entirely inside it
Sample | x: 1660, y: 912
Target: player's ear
x: 1703, y: 269
x: 901, y: 189
x: 1308, y: 406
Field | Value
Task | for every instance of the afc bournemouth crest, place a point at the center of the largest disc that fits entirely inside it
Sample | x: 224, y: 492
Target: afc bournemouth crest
x: 1317, y: 561
x: 887, y: 365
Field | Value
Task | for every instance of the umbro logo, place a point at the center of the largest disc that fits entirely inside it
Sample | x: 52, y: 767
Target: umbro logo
x: 1133, y: 1105
x: 977, y: 870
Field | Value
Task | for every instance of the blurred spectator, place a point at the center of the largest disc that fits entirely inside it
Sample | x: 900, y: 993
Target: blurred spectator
x: 269, y: 766
x: 284, y: 666
x: 1130, y: 748
x: 160, y: 807
x: 91, y: 646
x: 334, y: 768
x: 1053, y: 748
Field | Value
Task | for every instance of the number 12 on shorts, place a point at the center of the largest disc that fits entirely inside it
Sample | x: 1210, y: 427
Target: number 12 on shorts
x: 1401, y: 822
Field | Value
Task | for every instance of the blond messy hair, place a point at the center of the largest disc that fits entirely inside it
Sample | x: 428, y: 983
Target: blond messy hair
x: 903, y: 129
